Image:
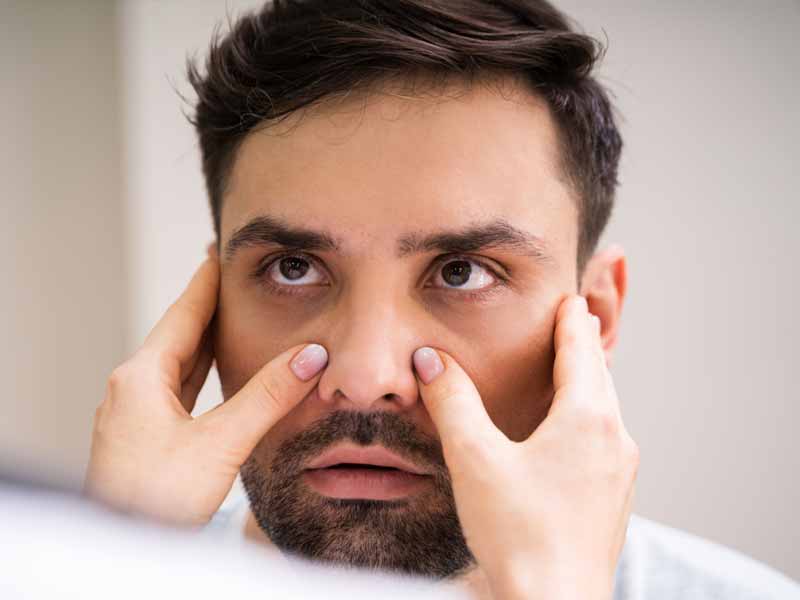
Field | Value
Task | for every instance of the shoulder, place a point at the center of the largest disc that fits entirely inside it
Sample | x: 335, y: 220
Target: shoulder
x: 658, y: 561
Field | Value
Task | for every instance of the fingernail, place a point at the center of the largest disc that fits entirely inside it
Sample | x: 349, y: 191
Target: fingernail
x: 309, y: 362
x: 583, y: 303
x: 427, y: 363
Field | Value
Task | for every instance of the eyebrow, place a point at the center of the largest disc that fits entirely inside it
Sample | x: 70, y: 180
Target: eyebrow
x: 498, y: 233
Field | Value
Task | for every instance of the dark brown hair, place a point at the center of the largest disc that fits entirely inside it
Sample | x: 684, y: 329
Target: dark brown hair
x: 293, y: 53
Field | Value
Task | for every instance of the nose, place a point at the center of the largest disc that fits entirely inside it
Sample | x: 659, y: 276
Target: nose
x: 370, y: 341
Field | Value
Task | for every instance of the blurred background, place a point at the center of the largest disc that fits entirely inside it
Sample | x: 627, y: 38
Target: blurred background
x: 105, y: 218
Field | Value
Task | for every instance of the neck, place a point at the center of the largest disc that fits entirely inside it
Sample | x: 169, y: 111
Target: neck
x: 473, y: 582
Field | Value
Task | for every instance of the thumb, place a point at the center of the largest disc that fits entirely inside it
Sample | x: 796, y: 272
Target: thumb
x: 454, y: 404
x: 272, y: 392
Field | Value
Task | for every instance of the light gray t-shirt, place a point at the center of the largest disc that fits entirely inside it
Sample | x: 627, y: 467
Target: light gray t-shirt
x: 657, y: 563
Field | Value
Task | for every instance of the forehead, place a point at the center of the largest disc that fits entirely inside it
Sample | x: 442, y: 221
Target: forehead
x: 372, y: 165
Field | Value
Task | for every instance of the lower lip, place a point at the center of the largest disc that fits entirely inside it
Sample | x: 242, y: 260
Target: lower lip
x: 365, y: 484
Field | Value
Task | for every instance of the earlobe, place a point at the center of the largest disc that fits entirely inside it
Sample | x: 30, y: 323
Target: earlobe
x: 604, y: 285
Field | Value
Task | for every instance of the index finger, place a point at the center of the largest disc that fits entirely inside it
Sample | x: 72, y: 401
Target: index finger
x: 179, y: 331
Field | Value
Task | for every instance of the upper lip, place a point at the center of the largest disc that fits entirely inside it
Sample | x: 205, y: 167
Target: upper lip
x: 366, y: 455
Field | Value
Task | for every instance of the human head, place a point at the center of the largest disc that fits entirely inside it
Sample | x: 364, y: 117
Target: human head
x: 495, y: 118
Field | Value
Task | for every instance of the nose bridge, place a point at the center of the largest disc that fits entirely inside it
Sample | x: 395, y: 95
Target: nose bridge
x: 374, y: 334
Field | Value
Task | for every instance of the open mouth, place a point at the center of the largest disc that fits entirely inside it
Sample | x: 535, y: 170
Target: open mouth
x: 364, y: 472
x: 362, y: 466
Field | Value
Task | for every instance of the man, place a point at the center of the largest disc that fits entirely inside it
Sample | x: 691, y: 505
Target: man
x: 408, y: 312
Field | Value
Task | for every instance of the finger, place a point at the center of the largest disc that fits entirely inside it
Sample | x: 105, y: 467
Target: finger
x: 454, y: 404
x: 598, y: 332
x: 579, y: 371
x: 272, y: 392
x: 187, y: 368
x: 605, y: 372
x: 194, y: 383
x: 611, y: 389
x: 179, y: 331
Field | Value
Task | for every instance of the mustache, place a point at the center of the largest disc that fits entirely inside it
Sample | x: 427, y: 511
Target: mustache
x: 385, y: 428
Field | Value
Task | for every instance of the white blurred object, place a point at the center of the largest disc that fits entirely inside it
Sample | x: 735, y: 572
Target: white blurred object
x: 55, y: 545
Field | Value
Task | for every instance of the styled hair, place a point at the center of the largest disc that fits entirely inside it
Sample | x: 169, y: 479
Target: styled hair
x: 292, y: 53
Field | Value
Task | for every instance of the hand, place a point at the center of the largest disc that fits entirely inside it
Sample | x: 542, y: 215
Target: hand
x: 148, y: 454
x: 546, y: 517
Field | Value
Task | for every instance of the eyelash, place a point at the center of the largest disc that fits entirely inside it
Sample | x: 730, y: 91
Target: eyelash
x: 295, y: 290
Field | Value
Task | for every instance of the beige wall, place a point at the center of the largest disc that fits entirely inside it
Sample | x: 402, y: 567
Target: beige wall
x: 706, y: 212
x: 64, y: 303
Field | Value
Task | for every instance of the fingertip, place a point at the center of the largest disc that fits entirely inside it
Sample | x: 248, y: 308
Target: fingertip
x: 309, y: 361
x: 428, y: 364
x: 570, y: 303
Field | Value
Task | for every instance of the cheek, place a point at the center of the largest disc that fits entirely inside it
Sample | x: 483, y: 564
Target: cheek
x: 249, y: 333
x: 515, y: 369
x: 511, y: 364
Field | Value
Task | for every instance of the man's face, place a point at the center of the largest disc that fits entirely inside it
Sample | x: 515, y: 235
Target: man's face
x: 379, y: 179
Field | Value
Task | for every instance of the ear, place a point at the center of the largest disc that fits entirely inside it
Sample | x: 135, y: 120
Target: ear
x: 603, y: 284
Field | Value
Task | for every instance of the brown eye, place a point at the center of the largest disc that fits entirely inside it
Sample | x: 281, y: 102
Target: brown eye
x: 292, y: 267
x: 464, y: 274
x: 457, y: 272
x: 292, y: 270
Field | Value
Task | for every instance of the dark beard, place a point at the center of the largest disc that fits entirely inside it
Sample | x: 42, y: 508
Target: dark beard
x: 420, y: 535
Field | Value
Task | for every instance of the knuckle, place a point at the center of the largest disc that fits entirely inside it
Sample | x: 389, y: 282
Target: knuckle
x: 447, y: 394
x: 273, y: 394
x: 608, y: 425
x: 633, y: 454
x: 103, y: 423
x: 99, y: 414
x: 120, y: 377
x: 600, y: 423
x: 627, y: 461
x: 145, y: 364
